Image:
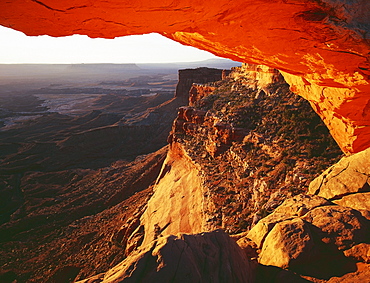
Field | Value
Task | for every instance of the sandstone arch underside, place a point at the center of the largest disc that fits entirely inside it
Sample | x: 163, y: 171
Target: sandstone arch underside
x: 322, y: 47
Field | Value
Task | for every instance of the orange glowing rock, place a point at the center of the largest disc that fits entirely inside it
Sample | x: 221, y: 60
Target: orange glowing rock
x: 322, y: 47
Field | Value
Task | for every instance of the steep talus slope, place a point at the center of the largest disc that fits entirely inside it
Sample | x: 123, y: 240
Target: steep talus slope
x: 322, y: 46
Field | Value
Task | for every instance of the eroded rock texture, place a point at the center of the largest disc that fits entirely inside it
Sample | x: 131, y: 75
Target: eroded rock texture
x: 322, y: 46
x: 310, y: 239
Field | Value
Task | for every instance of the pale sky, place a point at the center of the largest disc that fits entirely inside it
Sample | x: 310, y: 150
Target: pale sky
x: 16, y: 47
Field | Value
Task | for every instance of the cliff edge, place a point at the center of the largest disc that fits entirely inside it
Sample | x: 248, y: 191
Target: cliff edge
x: 245, y: 159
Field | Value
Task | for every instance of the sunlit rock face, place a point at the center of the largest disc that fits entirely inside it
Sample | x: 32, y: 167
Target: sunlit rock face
x: 321, y: 46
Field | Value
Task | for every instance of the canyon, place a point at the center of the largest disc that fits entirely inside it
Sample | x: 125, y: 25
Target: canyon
x: 236, y: 196
x: 322, y: 47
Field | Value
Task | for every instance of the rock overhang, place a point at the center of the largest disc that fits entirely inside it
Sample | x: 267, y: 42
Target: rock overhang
x: 321, y: 47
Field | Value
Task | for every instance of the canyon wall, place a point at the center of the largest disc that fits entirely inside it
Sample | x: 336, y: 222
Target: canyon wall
x: 200, y: 75
x: 321, y: 46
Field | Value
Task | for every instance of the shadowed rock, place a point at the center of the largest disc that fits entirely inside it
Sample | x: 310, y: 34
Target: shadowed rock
x: 206, y: 257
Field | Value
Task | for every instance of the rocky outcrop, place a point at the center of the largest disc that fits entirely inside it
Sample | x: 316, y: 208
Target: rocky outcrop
x: 220, y: 135
x: 322, y: 46
x: 291, y: 208
x: 184, y: 258
x: 308, y: 239
x: 256, y: 76
x: 350, y: 175
x: 197, y: 92
x: 289, y: 244
x: 230, y: 130
x: 200, y: 76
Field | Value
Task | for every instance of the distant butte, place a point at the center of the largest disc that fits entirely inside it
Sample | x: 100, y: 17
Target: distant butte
x: 322, y: 47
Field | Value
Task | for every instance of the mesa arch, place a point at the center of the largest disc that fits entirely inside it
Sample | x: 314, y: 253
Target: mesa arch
x: 322, y: 47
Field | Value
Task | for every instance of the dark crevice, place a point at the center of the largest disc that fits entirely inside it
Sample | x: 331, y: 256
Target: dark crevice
x: 78, y: 7
x: 323, y: 180
x: 296, y: 30
x: 97, y: 18
x: 58, y: 10
x: 46, y: 6
x: 365, y: 188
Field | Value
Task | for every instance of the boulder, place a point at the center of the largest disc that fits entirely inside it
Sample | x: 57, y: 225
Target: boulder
x: 349, y: 175
x: 184, y: 258
x: 338, y: 225
x: 290, y: 243
x: 259, y: 232
x: 308, y: 234
x: 293, y: 207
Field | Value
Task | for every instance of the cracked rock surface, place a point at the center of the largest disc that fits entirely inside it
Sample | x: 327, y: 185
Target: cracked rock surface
x: 350, y: 175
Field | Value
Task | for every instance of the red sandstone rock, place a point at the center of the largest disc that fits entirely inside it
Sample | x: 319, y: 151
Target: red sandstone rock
x: 322, y: 47
x: 306, y: 235
x: 290, y: 208
x: 256, y: 76
x: 259, y: 232
x: 359, y: 201
x: 177, y: 205
x: 290, y: 243
x: 299, y: 205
